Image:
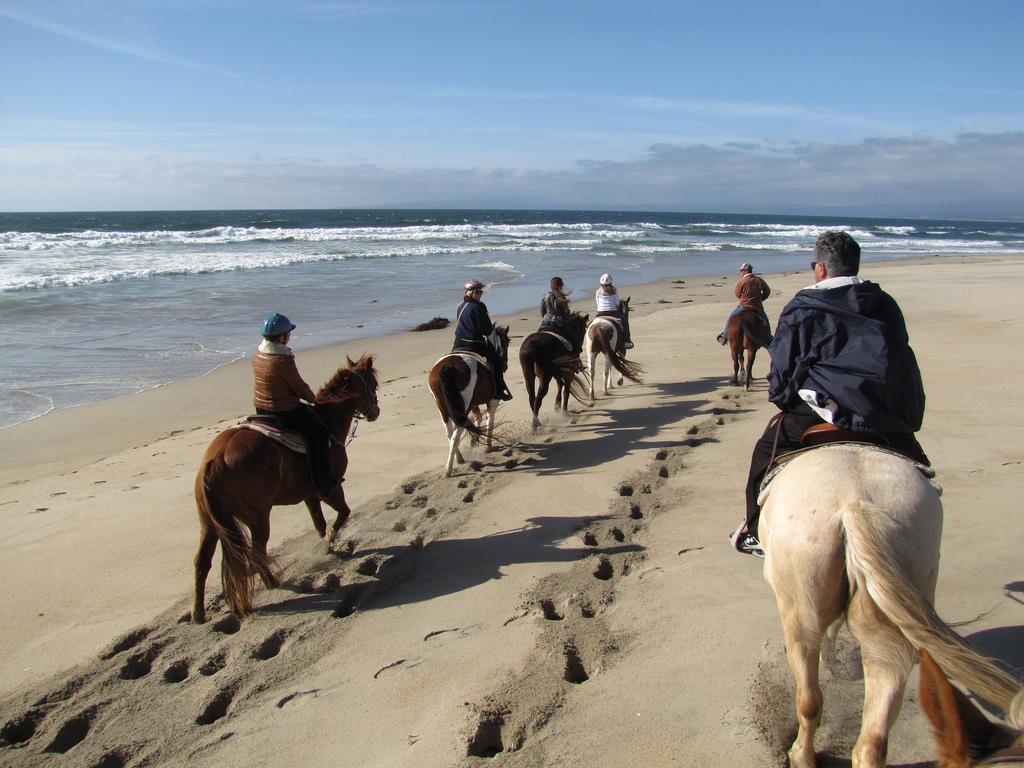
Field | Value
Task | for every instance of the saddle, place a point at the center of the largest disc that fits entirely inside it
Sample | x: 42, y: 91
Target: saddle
x: 466, y: 353
x: 560, y: 337
x: 270, y: 427
x: 607, y: 319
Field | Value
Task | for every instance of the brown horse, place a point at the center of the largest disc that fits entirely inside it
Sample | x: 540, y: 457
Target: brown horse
x: 545, y: 357
x: 862, y: 547
x: 462, y: 386
x: 746, y: 331
x: 244, y: 474
x: 964, y: 736
x: 605, y: 335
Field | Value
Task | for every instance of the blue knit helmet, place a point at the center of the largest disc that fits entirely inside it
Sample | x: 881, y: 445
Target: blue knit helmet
x: 276, y: 325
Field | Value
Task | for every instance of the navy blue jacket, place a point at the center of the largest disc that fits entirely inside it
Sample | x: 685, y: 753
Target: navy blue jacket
x: 849, y: 343
x: 474, y: 324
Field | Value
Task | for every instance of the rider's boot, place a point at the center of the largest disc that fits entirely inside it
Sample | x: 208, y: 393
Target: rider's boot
x: 502, y: 388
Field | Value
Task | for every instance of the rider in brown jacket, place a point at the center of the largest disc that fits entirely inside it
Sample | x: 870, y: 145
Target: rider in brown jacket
x: 280, y: 391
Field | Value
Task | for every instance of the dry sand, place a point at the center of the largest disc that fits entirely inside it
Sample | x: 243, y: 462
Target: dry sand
x: 569, y: 601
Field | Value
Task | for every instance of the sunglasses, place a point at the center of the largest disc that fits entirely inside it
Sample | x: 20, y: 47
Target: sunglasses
x: 814, y: 264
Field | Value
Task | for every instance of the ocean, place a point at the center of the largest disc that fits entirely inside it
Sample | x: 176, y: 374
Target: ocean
x: 97, y: 305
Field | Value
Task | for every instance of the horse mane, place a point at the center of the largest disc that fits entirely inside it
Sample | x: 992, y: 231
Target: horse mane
x: 329, y: 391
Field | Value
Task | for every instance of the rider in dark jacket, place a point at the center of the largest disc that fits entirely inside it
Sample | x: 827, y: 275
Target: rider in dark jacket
x: 841, y: 354
x: 473, y: 327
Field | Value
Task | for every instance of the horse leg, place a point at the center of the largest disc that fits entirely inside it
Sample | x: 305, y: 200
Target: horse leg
x: 590, y: 367
x: 492, y: 408
x: 810, y: 591
x: 562, y: 397
x: 607, y: 372
x: 528, y: 376
x: 203, y: 562
x: 336, y: 501
x: 735, y: 352
x: 887, y: 657
x: 622, y: 379
x: 260, y: 536
x: 545, y: 384
x: 316, y: 513
x: 751, y: 351
x: 454, y: 435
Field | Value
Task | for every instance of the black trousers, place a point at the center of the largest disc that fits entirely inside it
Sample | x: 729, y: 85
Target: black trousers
x: 792, y: 425
x: 303, y: 420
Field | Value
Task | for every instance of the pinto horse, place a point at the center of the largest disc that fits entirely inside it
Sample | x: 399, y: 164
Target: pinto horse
x: 245, y: 473
x: 852, y: 531
x: 462, y: 385
x: 746, y: 332
x: 605, y: 335
x: 545, y: 356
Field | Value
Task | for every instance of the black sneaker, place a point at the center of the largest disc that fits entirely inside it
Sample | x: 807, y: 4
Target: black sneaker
x: 628, y: 345
x: 506, y: 396
x: 747, y: 543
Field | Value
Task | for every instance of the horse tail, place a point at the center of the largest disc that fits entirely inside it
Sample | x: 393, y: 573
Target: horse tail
x: 870, y: 567
x: 628, y: 368
x: 239, y: 561
x: 568, y: 368
x: 454, y: 404
x: 756, y: 331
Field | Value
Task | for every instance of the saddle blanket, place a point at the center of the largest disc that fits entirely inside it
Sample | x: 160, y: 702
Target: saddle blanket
x: 463, y: 353
x: 613, y: 320
x: 565, y: 341
x: 291, y: 440
x: 785, y: 458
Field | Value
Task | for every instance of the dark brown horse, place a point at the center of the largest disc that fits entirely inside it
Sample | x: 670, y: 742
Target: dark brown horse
x: 544, y: 357
x: 462, y: 386
x: 605, y: 335
x: 244, y: 474
x: 746, y: 332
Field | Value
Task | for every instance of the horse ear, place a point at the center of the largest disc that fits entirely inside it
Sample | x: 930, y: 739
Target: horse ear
x: 349, y: 361
x: 960, y: 728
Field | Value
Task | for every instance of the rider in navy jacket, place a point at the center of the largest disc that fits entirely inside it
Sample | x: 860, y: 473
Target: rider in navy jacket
x: 848, y: 344
x: 473, y: 327
x: 841, y: 354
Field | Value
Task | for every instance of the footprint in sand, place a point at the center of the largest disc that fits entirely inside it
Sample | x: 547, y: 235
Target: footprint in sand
x: 126, y: 642
x: 213, y: 665
x: 140, y: 664
x: 217, y: 708
x: 604, y: 570
x: 176, y: 672
x: 271, y: 645
x: 227, y: 625
x: 73, y: 731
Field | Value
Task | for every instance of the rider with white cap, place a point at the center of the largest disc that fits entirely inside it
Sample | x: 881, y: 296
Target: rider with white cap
x: 608, y: 306
x: 473, y: 328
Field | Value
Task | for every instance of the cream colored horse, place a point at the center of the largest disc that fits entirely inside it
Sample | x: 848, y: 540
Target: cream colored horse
x: 853, y: 532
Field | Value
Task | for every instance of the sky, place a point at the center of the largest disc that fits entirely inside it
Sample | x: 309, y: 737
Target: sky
x: 888, y: 108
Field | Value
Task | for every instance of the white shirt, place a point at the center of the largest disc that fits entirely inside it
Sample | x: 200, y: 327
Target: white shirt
x: 607, y: 302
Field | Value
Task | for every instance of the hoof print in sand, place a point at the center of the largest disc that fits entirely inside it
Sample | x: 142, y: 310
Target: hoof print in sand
x: 21, y: 729
x: 574, y: 671
x: 476, y: 466
x: 625, y: 490
x: 468, y: 498
x: 604, y: 570
x: 139, y: 664
x: 73, y: 732
x: 547, y: 608
x: 330, y: 583
x: 213, y: 665
x: 176, y: 672
x: 217, y: 708
x: 634, y: 511
x: 590, y: 539
x: 349, y: 603
x: 271, y: 646
x: 368, y: 566
x: 661, y: 455
x: 227, y: 625
x: 486, y: 741
x: 126, y: 642
x: 617, y: 534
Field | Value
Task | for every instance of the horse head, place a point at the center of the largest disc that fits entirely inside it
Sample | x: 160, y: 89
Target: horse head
x: 575, y: 328
x: 501, y: 339
x: 352, y: 387
x: 624, y: 305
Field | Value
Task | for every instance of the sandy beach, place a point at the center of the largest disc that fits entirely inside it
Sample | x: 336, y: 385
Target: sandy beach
x: 571, y: 600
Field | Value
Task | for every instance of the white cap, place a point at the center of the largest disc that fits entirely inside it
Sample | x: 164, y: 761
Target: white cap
x: 606, y: 279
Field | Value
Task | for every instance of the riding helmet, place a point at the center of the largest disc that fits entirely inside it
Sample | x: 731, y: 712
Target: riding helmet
x: 276, y: 325
x: 606, y: 279
x: 473, y: 285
